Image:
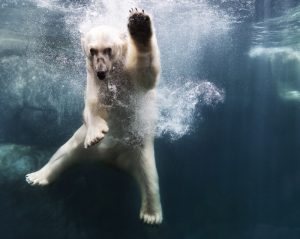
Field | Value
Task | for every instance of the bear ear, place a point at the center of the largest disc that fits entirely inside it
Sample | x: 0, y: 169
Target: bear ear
x: 93, y: 51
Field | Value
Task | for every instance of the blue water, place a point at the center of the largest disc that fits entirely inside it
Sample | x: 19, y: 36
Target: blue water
x: 228, y: 134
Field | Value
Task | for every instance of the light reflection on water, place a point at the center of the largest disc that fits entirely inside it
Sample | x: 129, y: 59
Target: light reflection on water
x: 276, y: 40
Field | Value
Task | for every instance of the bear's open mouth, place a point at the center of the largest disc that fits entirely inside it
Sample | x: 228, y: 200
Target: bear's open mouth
x: 101, y: 75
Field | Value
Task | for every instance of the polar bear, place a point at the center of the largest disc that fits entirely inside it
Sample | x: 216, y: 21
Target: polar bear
x: 122, y: 71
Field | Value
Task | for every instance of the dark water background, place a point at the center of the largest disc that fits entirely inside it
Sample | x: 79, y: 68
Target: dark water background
x: 237, y: 175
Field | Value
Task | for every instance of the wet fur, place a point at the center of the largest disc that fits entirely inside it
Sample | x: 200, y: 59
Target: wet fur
x: 117, y: 129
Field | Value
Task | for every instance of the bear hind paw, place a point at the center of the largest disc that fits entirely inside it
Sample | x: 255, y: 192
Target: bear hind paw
x: 37, y: 179
x: 151, y: 218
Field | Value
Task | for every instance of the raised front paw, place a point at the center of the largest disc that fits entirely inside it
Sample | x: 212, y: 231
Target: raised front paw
x: 95, y: 133
x: 139, y: 25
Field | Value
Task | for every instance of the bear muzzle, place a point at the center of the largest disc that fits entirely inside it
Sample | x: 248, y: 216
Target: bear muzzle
x: 101, y: 75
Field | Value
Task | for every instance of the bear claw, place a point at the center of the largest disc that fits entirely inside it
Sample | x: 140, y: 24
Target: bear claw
x: 95, y: 134
x: 152, y: 219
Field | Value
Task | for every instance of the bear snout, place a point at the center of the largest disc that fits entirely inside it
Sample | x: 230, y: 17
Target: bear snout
x: 101, y: 75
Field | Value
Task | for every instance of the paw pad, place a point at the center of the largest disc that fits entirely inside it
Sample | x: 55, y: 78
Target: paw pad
x: 139, y: 25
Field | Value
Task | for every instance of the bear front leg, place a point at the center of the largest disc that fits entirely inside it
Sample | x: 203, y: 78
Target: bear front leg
x: 96, y: 127
x: 94, y: 114
x: 142, y: 61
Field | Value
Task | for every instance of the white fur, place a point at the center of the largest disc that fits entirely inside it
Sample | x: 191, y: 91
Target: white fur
x: 115, y: 115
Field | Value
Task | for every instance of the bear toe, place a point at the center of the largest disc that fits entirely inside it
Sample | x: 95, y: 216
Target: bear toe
x: 37, y: 179
x: 151, y: 219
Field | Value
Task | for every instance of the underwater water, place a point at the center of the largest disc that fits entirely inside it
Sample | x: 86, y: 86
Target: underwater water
x: 227, y: 137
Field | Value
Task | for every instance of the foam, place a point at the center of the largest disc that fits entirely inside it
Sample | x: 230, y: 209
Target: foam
x: 178, y: 105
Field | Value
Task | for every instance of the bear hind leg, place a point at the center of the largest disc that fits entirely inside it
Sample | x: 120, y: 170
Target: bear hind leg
x: 143, y: 168
x: 64, y: 157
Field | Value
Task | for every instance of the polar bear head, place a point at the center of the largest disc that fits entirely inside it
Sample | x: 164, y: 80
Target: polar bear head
x: 103, y: 47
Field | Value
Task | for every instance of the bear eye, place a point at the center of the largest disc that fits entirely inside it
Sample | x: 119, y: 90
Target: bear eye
x: 107, y: 51
x: 93, y: 51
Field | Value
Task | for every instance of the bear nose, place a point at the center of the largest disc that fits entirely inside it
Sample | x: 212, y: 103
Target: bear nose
x: 101, y: 75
